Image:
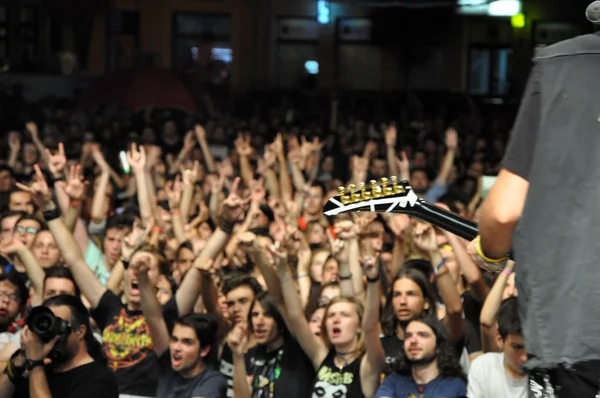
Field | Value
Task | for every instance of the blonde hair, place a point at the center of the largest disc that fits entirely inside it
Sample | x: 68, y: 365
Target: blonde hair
x: 360, y: 311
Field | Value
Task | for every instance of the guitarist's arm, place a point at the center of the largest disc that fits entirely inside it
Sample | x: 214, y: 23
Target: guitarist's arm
x: 503, y: 206
x: 500, y: 213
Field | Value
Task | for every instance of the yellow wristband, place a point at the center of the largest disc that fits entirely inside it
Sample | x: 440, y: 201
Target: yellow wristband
x: 483, y: 256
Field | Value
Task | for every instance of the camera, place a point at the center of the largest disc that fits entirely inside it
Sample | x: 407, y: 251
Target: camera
x: 42, y: 322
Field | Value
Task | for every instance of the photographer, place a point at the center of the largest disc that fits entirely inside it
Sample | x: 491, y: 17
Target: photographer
x: 59, y: 357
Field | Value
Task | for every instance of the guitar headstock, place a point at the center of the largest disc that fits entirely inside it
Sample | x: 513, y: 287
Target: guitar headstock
x: 385, y: 196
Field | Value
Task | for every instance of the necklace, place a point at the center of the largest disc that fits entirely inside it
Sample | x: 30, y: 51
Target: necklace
x: 345, y: 357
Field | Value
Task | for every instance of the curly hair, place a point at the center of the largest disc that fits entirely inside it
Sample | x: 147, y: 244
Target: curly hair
x: 447, y: 361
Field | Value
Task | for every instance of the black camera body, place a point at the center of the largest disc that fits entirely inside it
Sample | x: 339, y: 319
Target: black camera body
x: 43, y: 323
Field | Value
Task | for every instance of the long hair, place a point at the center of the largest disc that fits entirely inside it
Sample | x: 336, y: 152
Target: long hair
x: 360, y: 311
x: 447, y: 361
x: 80, y: 316
x: 390, y: 320
x: 270, y: 308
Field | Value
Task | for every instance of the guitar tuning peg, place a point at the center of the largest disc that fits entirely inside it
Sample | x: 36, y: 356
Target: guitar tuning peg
x: 364, y: 194
x: 385, y: 190
x: 375, y: 190
x: 345, y: 199
x: 394, y: 180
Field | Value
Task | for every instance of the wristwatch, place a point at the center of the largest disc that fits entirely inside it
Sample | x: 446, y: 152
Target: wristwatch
x: 34, y: 364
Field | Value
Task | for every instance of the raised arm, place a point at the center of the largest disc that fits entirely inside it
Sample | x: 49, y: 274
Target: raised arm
x: 233, y: 208
x: 91, y: 288
x: 374, y: 361
x: 75, y: 188
x: 150, y: 306
x: 35, y: 272
x: 311, y: 344
x: 238, y: 342
x: 137, y: 161
x: 487, y: 318
x: 208, y: 157
x: 425, y: 240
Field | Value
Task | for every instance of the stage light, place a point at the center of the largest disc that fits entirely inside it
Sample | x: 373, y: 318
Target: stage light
x: 504, y: 8
x: 323, y: 11
x: 518, y: 21
x: 312, y: 67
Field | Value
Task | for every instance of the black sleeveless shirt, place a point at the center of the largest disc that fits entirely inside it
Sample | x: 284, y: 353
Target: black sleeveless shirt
x: 334, y: 382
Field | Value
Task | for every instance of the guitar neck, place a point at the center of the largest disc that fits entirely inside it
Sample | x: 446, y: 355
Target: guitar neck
x: 444, y: 219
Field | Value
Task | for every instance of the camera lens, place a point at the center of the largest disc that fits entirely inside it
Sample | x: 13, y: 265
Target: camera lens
x: 42, y: 324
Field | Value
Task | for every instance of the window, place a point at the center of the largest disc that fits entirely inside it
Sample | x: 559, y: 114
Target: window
x: 123, y: 39
x: 489, y: 71
x: 202, y: 45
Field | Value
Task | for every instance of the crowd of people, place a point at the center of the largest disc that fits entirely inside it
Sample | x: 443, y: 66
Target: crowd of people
x: 178, y: 259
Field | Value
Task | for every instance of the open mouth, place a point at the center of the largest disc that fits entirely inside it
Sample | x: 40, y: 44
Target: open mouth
x: 134, y: 288
x: 176, y: 360
x: 336, y: 331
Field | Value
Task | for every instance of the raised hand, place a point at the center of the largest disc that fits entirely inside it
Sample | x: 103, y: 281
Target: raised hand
x: 57, y: 161
x: 270, y: 157
x: 234, y: 205
x: 277, y: 145
x: 204, y: 264
x: 99, y: 159
x: 248, y: 243
x: 39, y: 189
x: 391, y: 136
x: 369, y: 267
x: 141, y: 266
x: 137, y: 158
x: 345, y: 230
x: 11, y: 245
x: 200, y: 132
x: 243, y: 146
x: 362, y: 220
x: 238, y: 339
x: 259, y: 193
x: 134, y: 240
x: 424, y: 237
x: 14, y: 142
x: 75, y: 185
x: 32, y: 129
x: 190, y: 176
x: 174, y: 193
x: 451, y: 138
x: 403, y: 163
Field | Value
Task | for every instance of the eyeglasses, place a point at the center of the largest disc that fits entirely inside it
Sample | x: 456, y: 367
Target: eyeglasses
x: 29, y: 230
x: 10, y: 296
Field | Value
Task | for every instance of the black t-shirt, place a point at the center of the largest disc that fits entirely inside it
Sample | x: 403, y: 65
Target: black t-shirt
x: 92, y: 380
x: 226, y: 368
x: 128, y: 345
x: 392, y: 347
x: 210, y: 383
x: 472, y: 309
x: 285, y: 372
x: 338, y: 382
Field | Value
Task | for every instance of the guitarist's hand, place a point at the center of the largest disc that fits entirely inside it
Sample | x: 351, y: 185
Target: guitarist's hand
x: 474, y: 256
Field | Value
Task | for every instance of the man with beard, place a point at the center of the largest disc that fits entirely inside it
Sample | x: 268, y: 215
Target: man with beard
x: 427, y: 367
x: 77, y: 369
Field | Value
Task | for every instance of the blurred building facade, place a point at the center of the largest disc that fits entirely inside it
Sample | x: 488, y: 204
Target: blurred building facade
x: 250, y: 44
